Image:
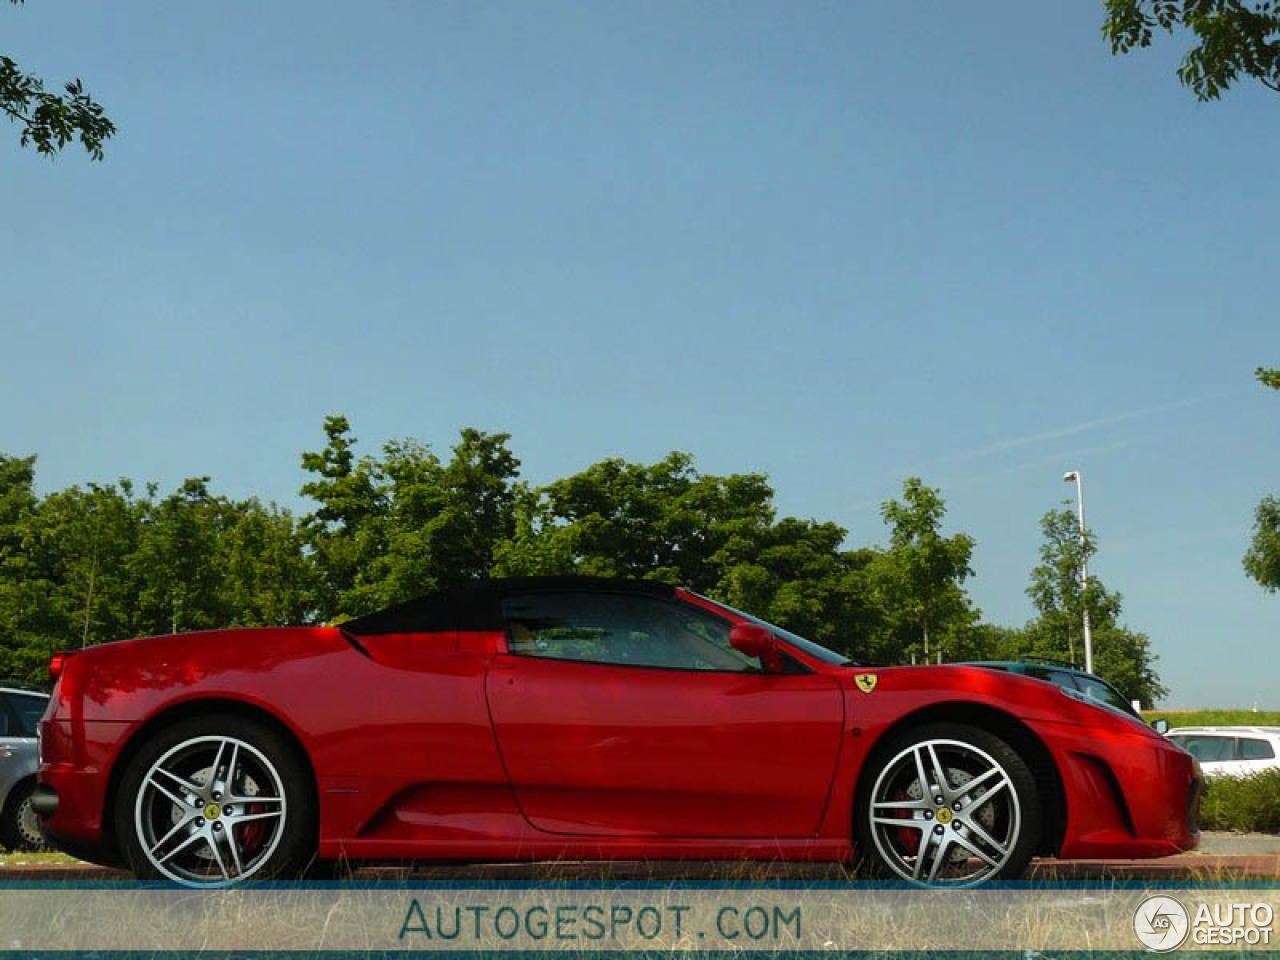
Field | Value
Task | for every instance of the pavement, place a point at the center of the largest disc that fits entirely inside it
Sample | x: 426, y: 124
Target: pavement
x: 1220, y: 856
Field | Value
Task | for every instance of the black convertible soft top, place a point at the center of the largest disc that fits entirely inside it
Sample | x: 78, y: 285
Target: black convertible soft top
x: 477, y: 605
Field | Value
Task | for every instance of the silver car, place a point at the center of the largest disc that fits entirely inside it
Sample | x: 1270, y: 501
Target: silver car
x: 19, y: 711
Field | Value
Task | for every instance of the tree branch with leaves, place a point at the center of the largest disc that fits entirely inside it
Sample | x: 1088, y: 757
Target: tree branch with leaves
x: 1234, y: 39
x: 49, y: 121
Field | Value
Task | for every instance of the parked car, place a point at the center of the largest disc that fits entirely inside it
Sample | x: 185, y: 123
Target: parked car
x: 19, y: 711
x: 583, y: 718
x: 1231, y: 751
x: 1069, y: 678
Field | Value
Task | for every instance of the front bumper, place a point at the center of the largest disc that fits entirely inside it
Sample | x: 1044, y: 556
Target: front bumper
x: 1129, y: 794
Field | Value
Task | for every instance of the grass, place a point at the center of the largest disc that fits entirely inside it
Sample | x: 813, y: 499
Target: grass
x: 1242, y: 804
x: 38, y: 858
x: 1215, y: 718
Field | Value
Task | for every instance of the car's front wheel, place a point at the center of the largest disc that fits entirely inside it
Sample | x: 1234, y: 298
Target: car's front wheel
x: 216, y: 800
x: 948, y: 804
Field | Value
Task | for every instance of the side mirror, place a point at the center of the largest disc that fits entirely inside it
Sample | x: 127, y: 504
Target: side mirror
x: 752, y: 640
x: 1160, y: 726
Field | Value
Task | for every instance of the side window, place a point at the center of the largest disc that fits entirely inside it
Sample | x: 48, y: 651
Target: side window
x: 27, y: 711
x: 620, y: 629
x: 1251, y: 749
x: 6, y: 721
x: 1208, y: 749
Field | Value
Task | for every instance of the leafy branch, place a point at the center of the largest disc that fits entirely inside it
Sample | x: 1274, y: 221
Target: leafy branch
x: 49, y: 121
x: 1235, y: 39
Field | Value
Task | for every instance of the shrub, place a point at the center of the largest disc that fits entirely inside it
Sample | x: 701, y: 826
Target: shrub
x: 1242, y: 804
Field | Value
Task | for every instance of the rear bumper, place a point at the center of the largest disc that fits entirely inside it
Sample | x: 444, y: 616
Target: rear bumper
x: 72, y: 818
x: 73, y: 778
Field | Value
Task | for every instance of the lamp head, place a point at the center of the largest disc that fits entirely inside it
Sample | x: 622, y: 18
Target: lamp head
x: 1071, y: 475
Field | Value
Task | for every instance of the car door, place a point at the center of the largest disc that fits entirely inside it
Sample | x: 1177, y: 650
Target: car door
x: 623, y: 715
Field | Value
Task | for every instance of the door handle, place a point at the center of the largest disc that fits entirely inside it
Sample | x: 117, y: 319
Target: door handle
x: 6, y: 752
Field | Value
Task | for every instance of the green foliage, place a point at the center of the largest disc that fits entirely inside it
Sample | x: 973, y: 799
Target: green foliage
x: 1121, y: 656
x: 50, y: 121
x: 715, y: 535
x: 918, y: 581
x: 101, y: 562
x: 84, y: 565
x: 389, y: 529
x: 1215, y: 718
x: 1242, y: 804
x: 1262, y: 561
x: 1234, y: 39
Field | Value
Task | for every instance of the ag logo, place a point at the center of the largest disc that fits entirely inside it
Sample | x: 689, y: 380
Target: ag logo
x: 1161, y: 923
x: 866, y: 682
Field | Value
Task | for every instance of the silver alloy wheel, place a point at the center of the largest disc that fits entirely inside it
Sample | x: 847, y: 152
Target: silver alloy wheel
x: 945, y: 813
x: 210, y: 812
x: 29, y: 824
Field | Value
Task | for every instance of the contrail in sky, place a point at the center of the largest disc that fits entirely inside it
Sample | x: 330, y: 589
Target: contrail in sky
x: 1084, y: 425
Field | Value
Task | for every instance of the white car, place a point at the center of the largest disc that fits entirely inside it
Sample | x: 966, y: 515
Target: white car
x: 1230, y: 751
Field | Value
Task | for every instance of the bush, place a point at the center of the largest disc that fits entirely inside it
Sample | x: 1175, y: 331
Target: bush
x: 1242, y: 804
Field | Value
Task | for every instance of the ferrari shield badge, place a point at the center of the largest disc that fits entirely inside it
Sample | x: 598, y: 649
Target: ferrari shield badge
x: 866, y: 682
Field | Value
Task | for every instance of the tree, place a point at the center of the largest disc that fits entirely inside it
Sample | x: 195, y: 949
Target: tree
x: 26, y: 610
x: 1262, y: 561
x: 660, y: 521
x: 919, y: 579
x: 392, y: 528
x: 268, y: 580
x: 341, y: 531
x: 50, y: 121
x: 717, y: 535
x: 1234, y: 39
x: 1121, y: 656
x: 443, y: 522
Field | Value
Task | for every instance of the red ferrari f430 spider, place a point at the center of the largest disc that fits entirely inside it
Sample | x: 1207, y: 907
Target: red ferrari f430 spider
x: 571, y: 717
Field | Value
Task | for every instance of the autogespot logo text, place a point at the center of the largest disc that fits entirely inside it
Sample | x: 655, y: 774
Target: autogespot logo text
x: 1161, y: 923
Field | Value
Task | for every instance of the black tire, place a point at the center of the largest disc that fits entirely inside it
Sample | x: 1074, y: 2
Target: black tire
x: 19, y: 825
x: 1004, y: 828
x: 257, y: 751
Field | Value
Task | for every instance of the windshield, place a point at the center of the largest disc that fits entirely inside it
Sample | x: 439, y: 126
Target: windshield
x: 1103, y: 692
x: 815, y: 650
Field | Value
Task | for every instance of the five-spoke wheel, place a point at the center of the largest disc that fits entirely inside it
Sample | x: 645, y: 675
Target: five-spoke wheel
x: 948, y: 805
x: 214, y: 801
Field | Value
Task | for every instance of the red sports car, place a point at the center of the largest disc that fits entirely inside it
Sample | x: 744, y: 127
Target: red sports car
x: 582, y: 718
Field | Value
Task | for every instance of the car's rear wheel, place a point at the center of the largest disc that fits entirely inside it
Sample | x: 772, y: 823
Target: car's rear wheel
x: 947, y: 805
x: 19, y: 824
x: 216, y: 800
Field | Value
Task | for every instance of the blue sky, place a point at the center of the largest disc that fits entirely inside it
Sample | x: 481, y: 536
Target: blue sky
x: 838, y: 243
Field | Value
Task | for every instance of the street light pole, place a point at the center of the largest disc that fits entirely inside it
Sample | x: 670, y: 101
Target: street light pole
x: 1084, y: 567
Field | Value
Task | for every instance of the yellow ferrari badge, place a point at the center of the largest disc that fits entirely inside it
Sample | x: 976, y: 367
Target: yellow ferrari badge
x: 866, y: 681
